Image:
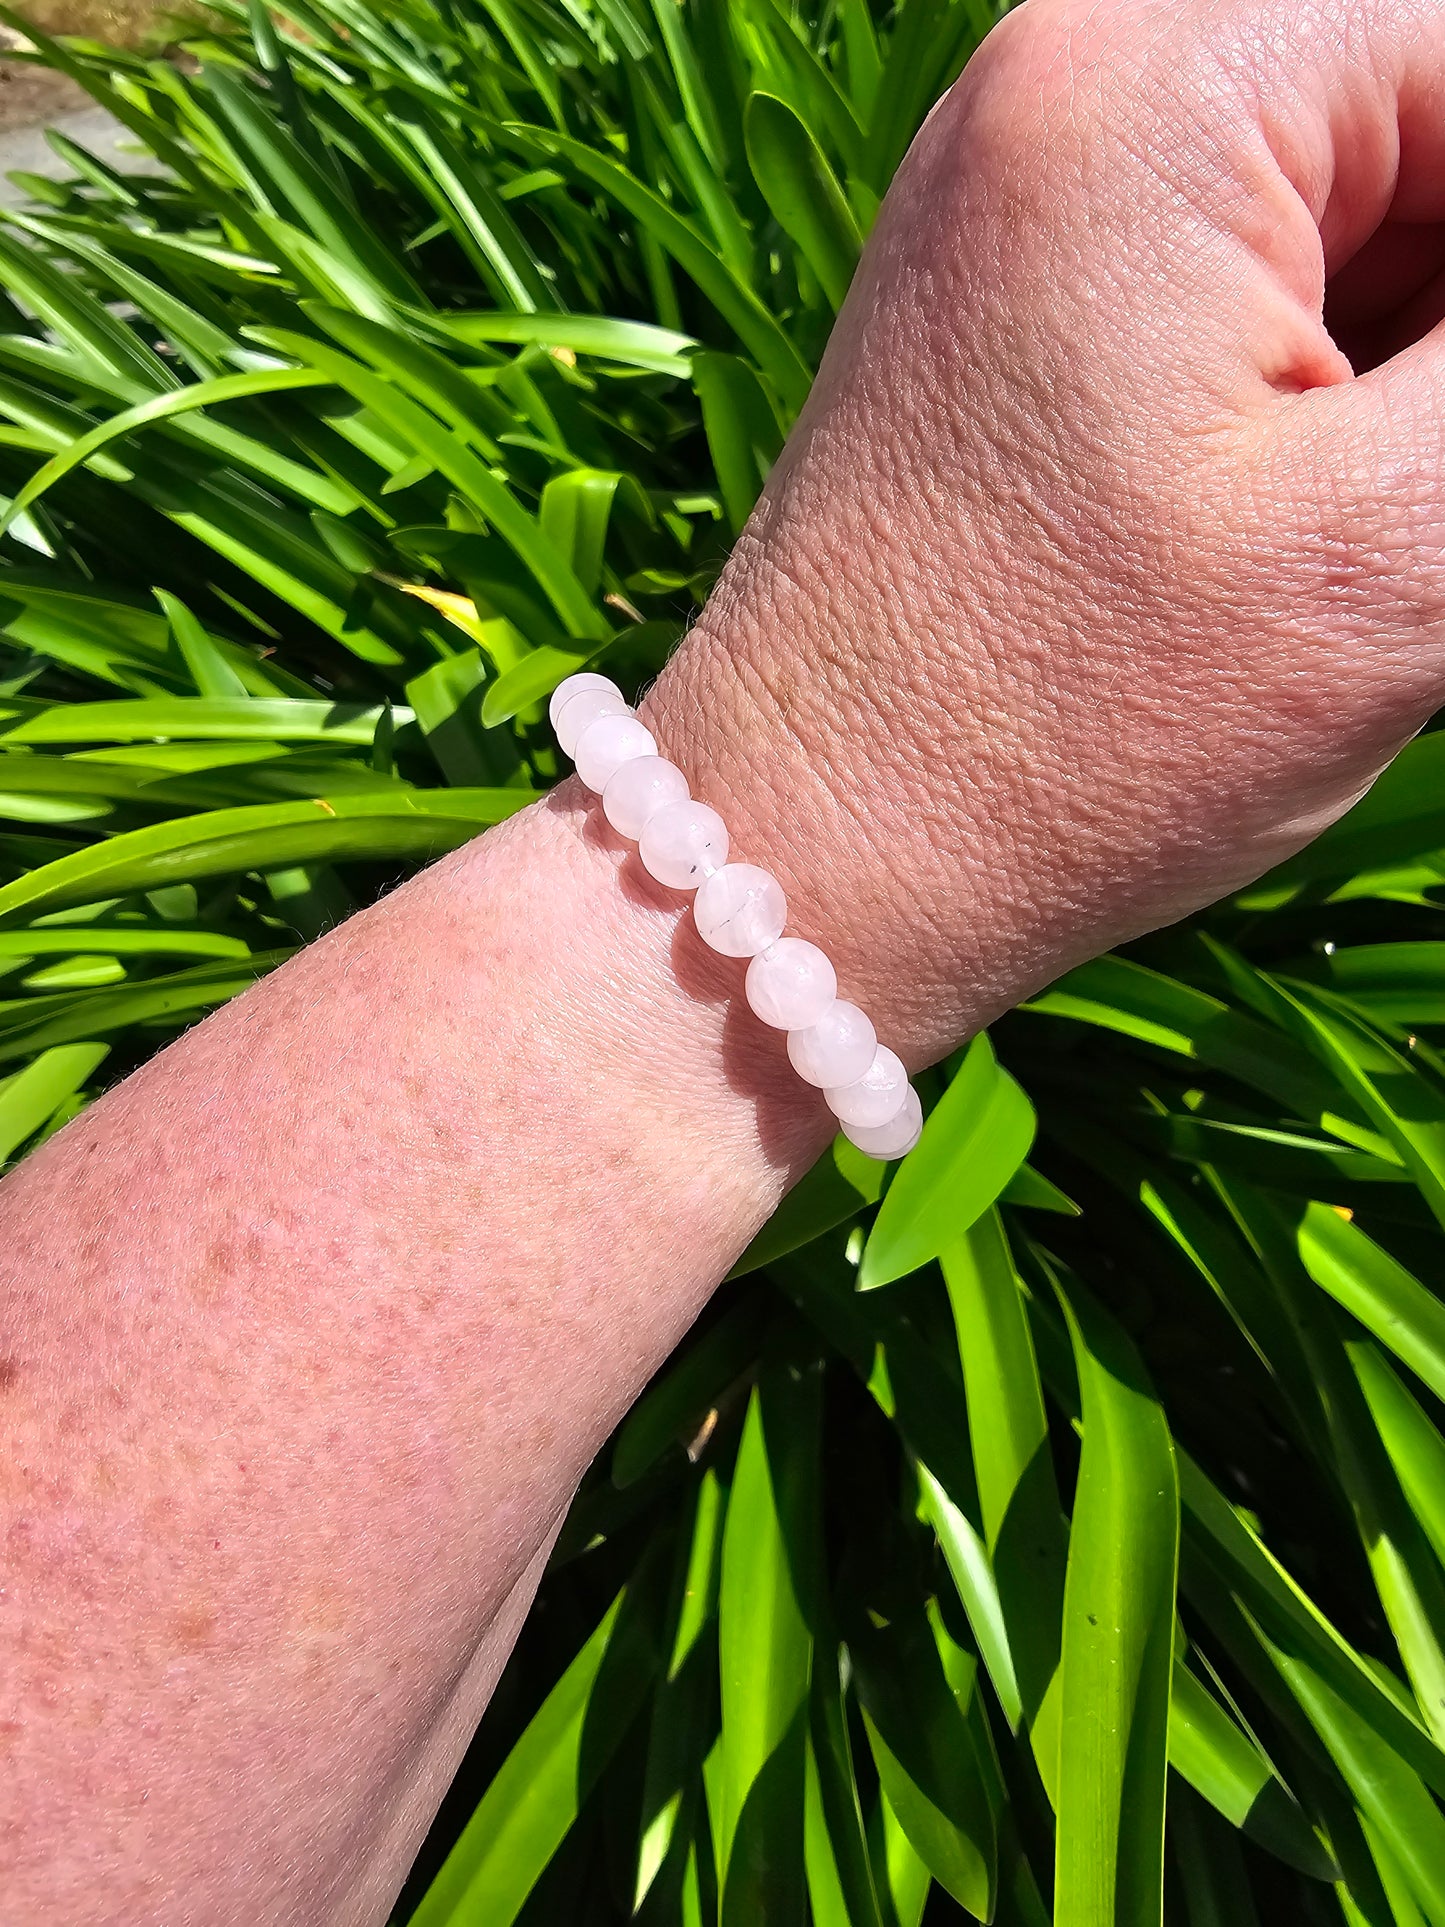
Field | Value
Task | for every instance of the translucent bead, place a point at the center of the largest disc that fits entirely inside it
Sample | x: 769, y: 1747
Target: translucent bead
x: 895, y: 1138
x: 571, y: 686
x: 790, y: 984
x: 837, y: 1049
x: 638, y: 790
x: 740, y: 910
x: 682, y: 843
x: 878, y: 1095
x: 577, y: 716
x: 604, y: 746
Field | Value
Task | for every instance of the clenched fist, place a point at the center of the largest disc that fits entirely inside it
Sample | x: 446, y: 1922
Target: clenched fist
x: 1107, y: 564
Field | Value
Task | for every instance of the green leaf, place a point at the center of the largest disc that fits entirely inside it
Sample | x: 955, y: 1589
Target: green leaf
x: 683, y: 1713
x: 765, y: 1647
x: 786, y: 64
x: 84, y: 324
x: 195, y: 337
x: 827, y: 1196
x: 928, y: 1766
x: 925, y: 48
x: 742, y: 430
x: 1377, y: 1289
x: 1213, y: 1880
x: 528, y: 682
x: 302, y: 187
x: 573, y: 514
x: 1125, y: 997
x: 860, y: 46
x: 160, y: 408
x: 1409, y: 1583
x: 1389, y: 1794
x: 1402, y: 1104
x: 1118, y: 1646
x: 447, y: 701
x: 900, y: 1872
x: 699, y: 102
x: 1024, y: 1528
x: 1401, y: 816
x: 413, y: 823
x: 460, y: 192
x: 451, y: 457
x: 1220, y: 1760
x: 30, y: 1098
x: 1006, y: 1419
x: 144, y: 940
x: 211, y: 673
x: 1397, y: 983
x: 677, y: 1402
x: 755, y: 328
x: 841, y: 1888
x: 966, y: 1557
x: 534, y: 1797
x: 803, y: 192
x: 635, y: 344
x: 1416, y: 1448
x: 1294, y: 1623
x: 1031, y: 1190
x: 976, y: 1139
x: 42, y: 1023
x: 186, y: 719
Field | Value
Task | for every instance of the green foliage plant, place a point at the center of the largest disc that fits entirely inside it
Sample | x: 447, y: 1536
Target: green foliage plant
x: 1055, y: 1534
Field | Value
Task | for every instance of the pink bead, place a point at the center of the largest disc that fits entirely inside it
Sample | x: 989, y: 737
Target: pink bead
x: 638, y: 790
x: 604, y: 746
x: 790, y: 984
x: 836, y: 1050
x: 740, y: 910
x: 878, y: 1095
x: 682, y: 843
x: 582, y: 710
x: 571, y: 686
x: 895, y: 1138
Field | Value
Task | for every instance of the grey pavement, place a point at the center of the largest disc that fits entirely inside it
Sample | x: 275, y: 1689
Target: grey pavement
x: 26, y: 148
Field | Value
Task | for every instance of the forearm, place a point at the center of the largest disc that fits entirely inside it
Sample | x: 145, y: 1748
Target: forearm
x: 313, y: 1325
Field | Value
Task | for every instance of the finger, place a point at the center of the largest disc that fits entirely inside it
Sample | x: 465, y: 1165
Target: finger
x: 1351, y: 100
x: 1298, y: 129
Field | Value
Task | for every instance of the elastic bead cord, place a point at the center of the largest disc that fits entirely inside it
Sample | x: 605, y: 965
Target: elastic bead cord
x: 740, y: 911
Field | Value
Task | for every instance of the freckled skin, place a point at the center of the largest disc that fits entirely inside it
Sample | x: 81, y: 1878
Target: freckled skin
x: 307, y: 1360
x: 1092, y: 581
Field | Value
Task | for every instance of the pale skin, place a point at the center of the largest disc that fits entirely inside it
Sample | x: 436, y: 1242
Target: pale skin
x: 1105, y: 567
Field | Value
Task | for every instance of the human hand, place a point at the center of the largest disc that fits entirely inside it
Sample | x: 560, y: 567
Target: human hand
x: 1096, y: 579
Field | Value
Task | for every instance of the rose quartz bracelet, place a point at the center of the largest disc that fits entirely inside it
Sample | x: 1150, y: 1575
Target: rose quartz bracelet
x: 739, y: 911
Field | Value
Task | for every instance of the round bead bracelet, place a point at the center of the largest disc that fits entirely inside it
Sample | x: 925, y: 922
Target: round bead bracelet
x: 739, y: 911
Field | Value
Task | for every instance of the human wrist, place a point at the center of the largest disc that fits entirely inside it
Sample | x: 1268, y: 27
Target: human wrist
x: 629, y: 1020
x: 740, y: 912
x: 849, y: 783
